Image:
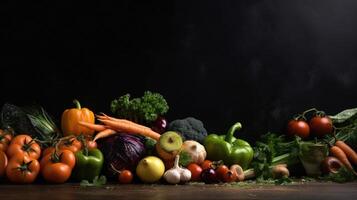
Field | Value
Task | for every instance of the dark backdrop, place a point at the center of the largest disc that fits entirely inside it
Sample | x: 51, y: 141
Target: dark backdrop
x: 254, y: 61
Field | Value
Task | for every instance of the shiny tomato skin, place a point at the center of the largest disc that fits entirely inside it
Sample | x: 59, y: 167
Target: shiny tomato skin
x: 56, y: 172
x: 3, y: 163
x: 299, y: 128
x: 18, y: 144
x: 195, y: 170
x: 220, y: 171
x: 321, y: 126
x: 206, y: 164
x: 16, y: 171
x: 5, y: 139
x: 71, y: 144
x: 125, y: 177
x: 230, y: 176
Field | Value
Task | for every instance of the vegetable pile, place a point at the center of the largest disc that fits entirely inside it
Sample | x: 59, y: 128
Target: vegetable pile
x: 135, y: 144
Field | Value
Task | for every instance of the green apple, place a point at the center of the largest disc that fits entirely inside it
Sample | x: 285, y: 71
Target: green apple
x: 150, y: 169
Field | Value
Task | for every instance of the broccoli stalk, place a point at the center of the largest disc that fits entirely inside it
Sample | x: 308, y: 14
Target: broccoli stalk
x: 142, y: 110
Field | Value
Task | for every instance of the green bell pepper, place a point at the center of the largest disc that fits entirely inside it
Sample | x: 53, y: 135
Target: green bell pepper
x: 229, y: 149
x: 88, y: 164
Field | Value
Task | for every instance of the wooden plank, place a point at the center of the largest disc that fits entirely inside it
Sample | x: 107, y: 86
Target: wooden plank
x: 325, y: 191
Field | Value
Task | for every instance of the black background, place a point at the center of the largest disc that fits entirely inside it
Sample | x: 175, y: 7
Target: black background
x: 254, y: 61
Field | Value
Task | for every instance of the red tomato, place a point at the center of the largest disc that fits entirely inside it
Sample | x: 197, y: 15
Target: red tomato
x: 195, y: 170
x: 25, y: 145
x: 71, y: 144
x: 57, y: 168
x: 125, y: 177
x: 230, y: 176
x: 64, y: 156
x: 206, y: 164
x: 321, y: 126
x: 299, y: 128
x: 220, y: 171
x: 22, y: 169
x: 3, y: 163
x: 5, y: 138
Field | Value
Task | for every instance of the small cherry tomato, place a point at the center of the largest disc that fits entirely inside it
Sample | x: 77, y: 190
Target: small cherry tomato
x: 206, y: 164
x: 125, y: 177
x: 321, y: 126
x: 195, y: 170
x: 230, y: 176
x: 220, y: 171
x: 299, y: 128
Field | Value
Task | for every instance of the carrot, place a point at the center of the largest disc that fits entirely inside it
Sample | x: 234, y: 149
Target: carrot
x: 340, y: 155
x: 350, y: 153
x: 104, y: 133
x: 106, y: 117
x: 132, y: 128
x: 96, y: 127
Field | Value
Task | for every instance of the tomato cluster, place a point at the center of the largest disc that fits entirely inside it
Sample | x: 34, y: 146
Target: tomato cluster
x: 213, y: 172
x: 319, y: 125
x: 22, y: 159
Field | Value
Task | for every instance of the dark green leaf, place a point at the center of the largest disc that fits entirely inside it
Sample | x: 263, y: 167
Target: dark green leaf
x: 343, y: 116
x: 185, y: 159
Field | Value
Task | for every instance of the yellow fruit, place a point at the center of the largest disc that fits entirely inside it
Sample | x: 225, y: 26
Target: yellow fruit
x: 150, y: 169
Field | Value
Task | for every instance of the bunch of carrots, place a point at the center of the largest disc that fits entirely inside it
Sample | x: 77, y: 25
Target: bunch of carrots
x: 345, y: 154
x: 113, y: 125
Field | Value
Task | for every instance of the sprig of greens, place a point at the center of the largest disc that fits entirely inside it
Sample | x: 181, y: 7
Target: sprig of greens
x: 343, y: 175
x: 271, y: 150
x: 97, y: 182
x: 141, y: 110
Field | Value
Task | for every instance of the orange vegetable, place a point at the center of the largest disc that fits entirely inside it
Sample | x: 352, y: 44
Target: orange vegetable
x: 71, y: 117
x: 350, y: 153
x: 24, y: 145
x: 106, y: 133
x: 340, y: 155
x: 96, y: 127
x: 3, y: 163
x: 57, y: 167
x: 64, y: 156
x: 5, y: 138
x: 106, y: 117
x: 131, y: 128
x: 71, y: 144
x: 22, y: 169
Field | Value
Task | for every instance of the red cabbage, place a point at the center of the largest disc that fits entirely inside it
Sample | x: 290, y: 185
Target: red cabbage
x: 123, y: 151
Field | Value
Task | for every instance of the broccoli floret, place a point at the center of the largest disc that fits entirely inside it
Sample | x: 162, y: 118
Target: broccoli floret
x: 189, y: 128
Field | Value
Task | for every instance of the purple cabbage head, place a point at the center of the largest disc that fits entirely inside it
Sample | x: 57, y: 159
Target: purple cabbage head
x: 123, y: 151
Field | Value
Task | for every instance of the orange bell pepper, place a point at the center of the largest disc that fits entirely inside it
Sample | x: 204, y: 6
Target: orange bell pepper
x: 71, y: 117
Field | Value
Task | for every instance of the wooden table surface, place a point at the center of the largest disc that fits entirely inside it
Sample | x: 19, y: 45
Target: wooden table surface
x: 317, y: 191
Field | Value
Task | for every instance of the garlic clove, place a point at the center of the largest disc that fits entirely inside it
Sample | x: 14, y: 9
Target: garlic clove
x: 172, y: 176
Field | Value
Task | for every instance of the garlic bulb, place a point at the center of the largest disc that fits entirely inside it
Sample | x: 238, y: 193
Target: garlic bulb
x: 177, y: 174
